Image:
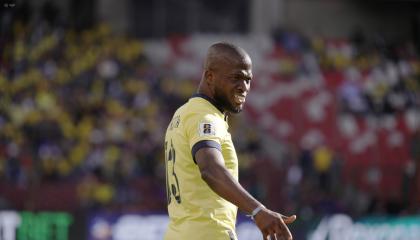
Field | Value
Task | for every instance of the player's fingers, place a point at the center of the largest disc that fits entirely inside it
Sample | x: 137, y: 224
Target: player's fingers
x: 272, y: 236
x: 279, y: 232
x: 265, y: 235
x: 287, y: 235
x: 288, y: 219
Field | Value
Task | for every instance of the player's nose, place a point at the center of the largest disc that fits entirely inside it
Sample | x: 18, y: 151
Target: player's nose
x: 243, y: 86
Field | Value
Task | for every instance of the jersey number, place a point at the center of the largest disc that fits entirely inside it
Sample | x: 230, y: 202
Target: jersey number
x: 172, y: 185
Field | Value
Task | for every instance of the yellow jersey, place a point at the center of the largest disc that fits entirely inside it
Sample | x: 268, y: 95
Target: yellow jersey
x: 195, y: 211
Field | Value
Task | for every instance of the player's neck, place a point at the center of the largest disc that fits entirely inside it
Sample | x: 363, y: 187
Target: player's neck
x: 202, y: 89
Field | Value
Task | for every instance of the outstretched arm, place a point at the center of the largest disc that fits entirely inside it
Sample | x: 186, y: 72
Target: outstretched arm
x: 213, y: 171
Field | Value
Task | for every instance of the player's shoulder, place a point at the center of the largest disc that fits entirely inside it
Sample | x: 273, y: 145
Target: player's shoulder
x: 196, y: 103
x: 198, y: 108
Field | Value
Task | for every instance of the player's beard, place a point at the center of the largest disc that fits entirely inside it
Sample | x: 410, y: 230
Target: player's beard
x: 223, y: 100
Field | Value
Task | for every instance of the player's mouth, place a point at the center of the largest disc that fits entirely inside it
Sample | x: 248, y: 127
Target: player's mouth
x: 239, y: 99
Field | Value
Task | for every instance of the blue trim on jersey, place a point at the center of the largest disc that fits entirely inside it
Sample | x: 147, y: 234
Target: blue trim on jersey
x: 204, y: 144
x: 211, y: 100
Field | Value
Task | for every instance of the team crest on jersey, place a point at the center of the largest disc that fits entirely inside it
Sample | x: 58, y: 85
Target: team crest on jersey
x: 207, y: 129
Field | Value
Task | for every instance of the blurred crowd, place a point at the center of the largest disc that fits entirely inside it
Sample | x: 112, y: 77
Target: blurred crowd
x: 80, y: 106
x: 351, y: 145
x: 90, y: 109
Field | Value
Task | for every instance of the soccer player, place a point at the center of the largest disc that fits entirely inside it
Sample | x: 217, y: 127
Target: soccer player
x: 201, y: 164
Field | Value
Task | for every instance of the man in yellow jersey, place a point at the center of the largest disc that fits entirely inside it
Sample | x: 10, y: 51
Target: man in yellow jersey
x: 201, y: 163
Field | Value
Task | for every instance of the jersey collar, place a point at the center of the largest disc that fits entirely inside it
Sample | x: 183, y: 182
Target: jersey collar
x: 211, y: 100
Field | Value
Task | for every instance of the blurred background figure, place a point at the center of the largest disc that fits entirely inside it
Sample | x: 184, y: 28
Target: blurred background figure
x: 87, y: 89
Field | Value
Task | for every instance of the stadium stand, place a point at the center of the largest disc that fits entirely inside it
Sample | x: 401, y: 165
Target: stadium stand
x: 82, y: 118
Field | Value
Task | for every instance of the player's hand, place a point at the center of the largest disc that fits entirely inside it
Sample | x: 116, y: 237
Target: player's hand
x: 273, y: 225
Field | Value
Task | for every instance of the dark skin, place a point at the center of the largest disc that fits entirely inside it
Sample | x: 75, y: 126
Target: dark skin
x: 226, y: 79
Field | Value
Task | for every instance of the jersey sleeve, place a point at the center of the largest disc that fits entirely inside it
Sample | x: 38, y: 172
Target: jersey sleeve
x: 204, y: 130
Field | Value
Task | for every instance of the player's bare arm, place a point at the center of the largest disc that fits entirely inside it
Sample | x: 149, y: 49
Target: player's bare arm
x: 214, y: 173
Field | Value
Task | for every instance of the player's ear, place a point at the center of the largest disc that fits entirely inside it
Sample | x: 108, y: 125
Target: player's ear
x: 209, y: 77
